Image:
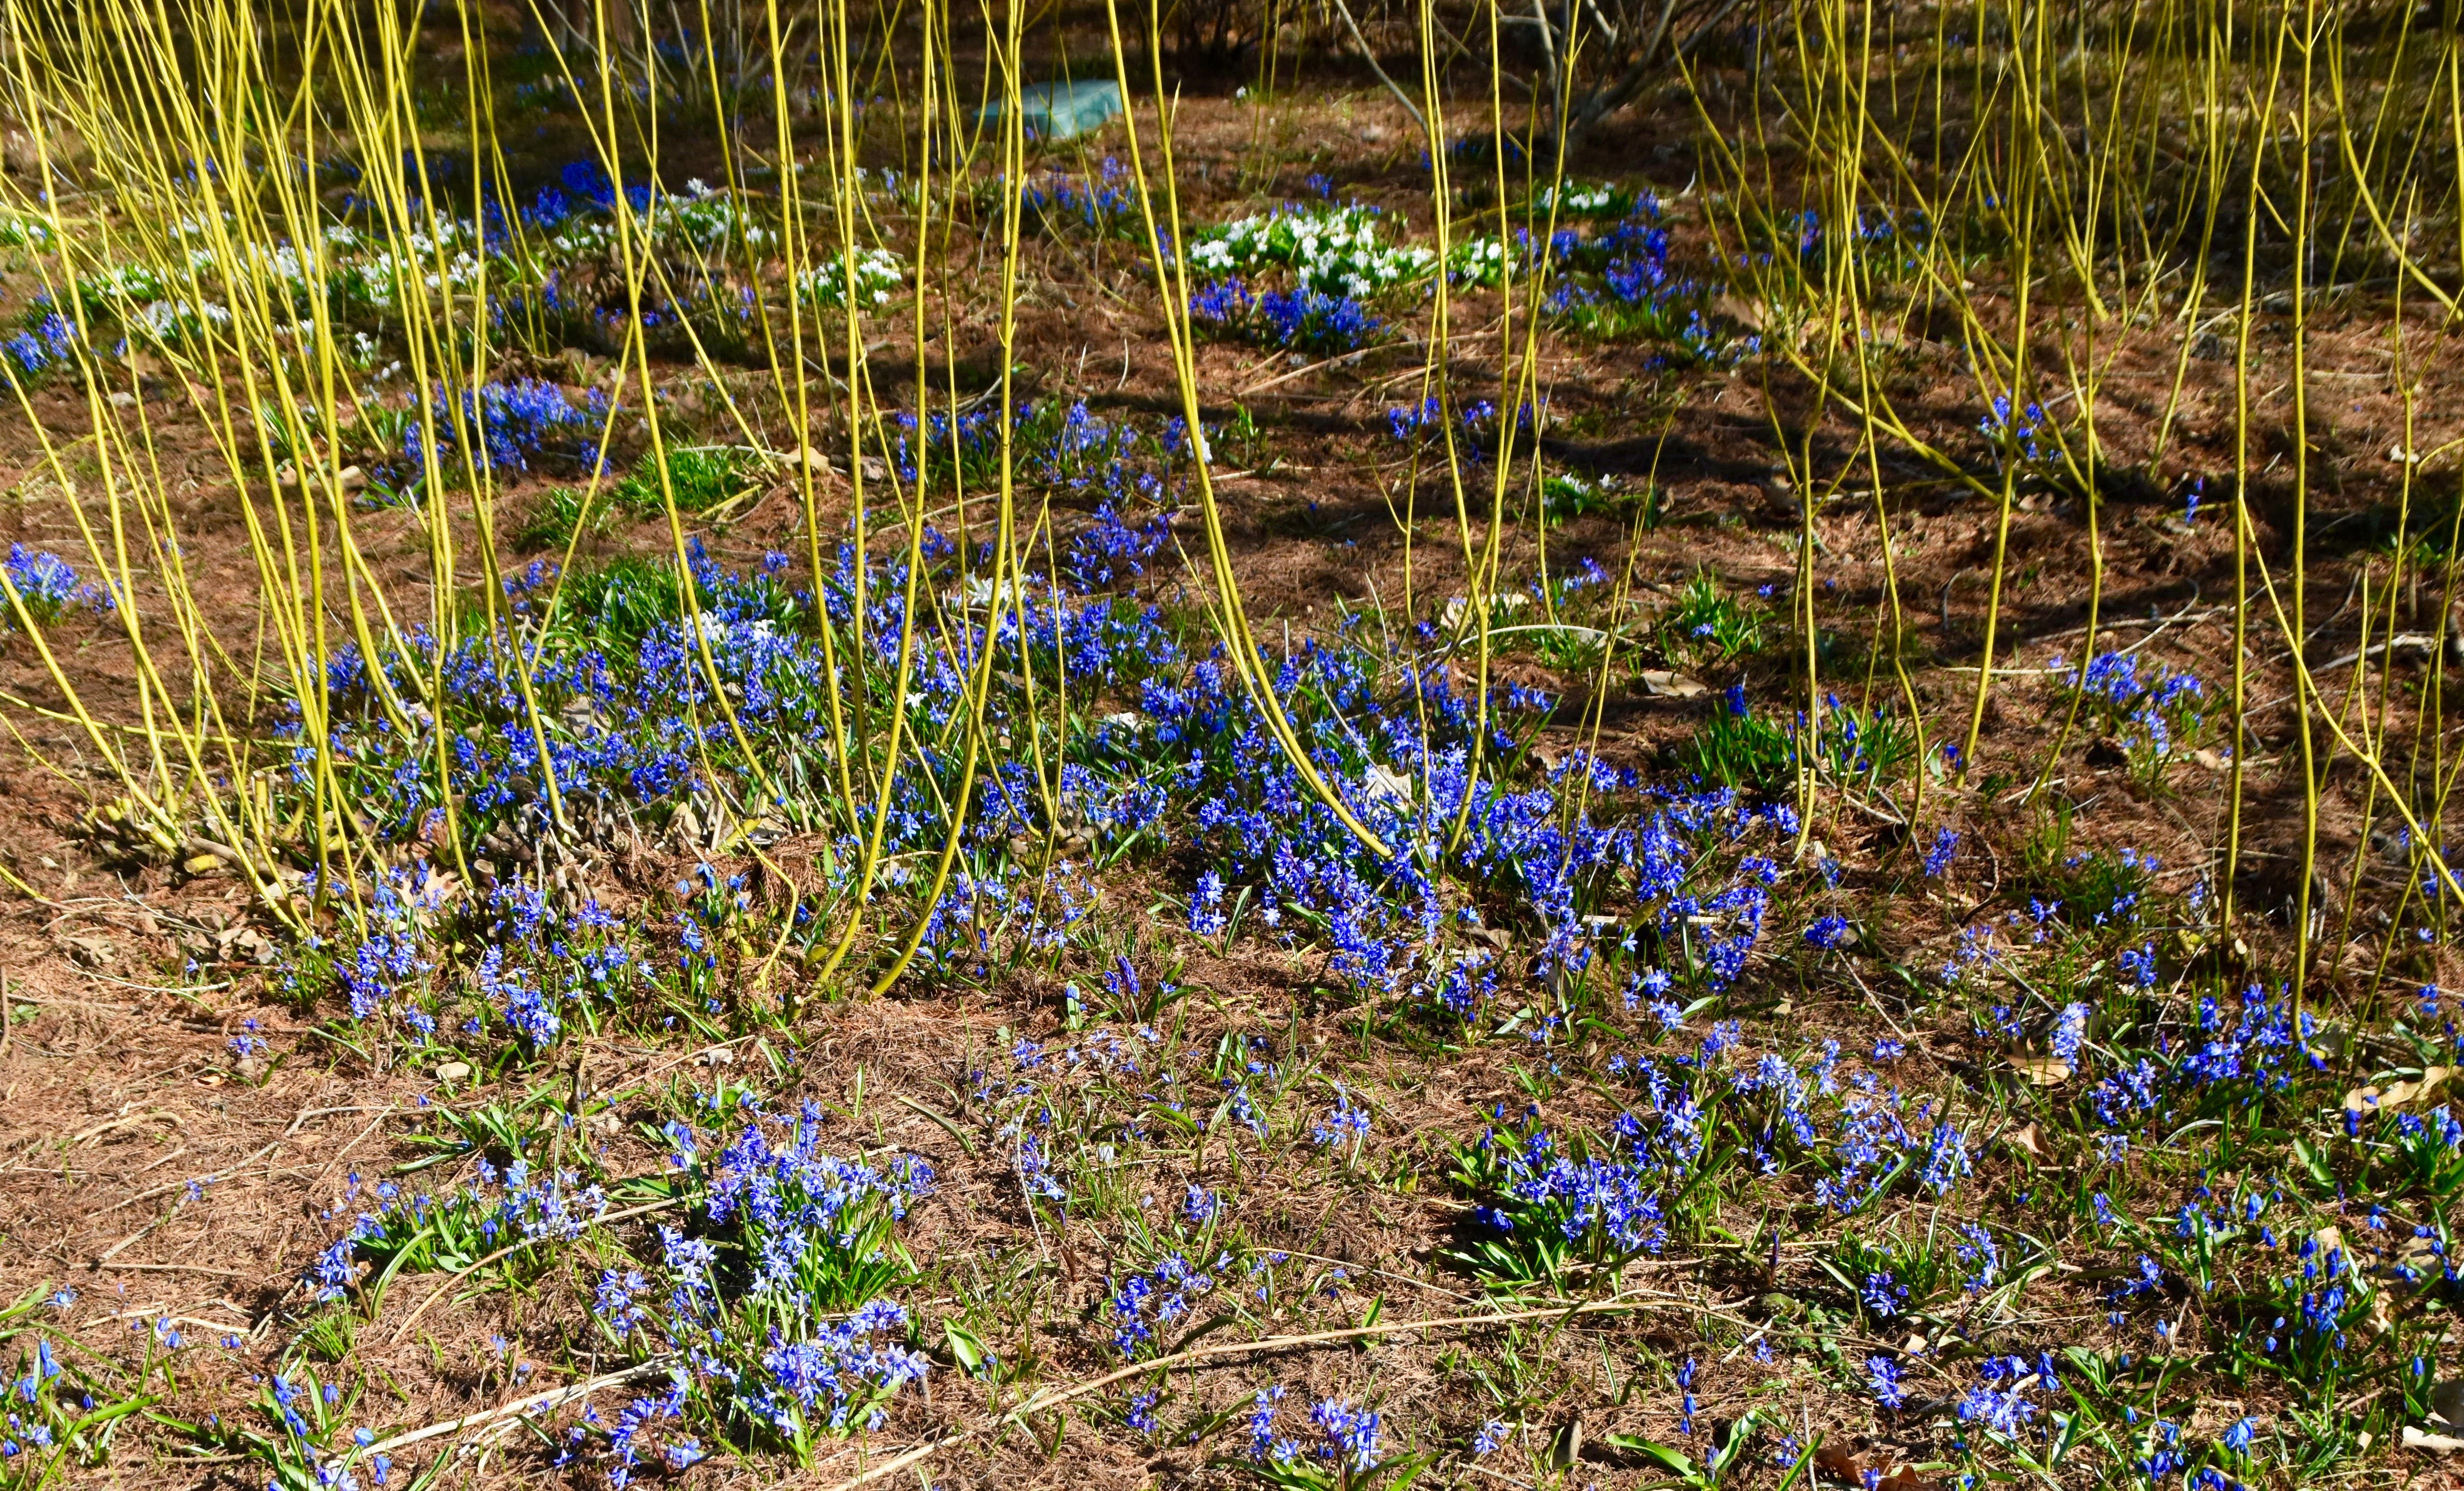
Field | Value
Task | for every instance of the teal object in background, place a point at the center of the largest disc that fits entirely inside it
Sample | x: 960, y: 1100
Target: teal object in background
x: 1058, y: 111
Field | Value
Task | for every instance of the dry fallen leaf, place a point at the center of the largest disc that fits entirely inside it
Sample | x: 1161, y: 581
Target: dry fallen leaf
x: 1387, y: 783
x: 1843, y: 1466
x: 2435, y: 1443
x: 2447, y: 1403
x: 1838, y: 1464
x: 2364, y: 1100
x: 2043, y: 1071
x: 2025, y: 1137
x: 1565, y: 1446
x: 1662, y: 684
x: 2381, y: 1314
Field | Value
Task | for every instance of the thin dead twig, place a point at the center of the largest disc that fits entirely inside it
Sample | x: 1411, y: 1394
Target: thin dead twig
x: 1369, y: 55
x: 180, y: 1268
x: 1616, y: 1305
x: 529, y: 1403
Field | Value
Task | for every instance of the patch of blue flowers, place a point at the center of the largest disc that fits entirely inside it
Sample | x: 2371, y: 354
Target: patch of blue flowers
x: 418, y: 1231
x: 47, y: 587
x: 1619, y: 282
x: 1190, y: 766
x: 1102, y: 201
x: 769, y: 1301
x: 50, y: 340
x: 1302, y: 318
x: 2158, y: 711
x: 766, y: 1302
x: 509, y: 425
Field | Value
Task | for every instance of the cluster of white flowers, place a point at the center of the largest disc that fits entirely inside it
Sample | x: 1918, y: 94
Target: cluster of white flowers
x: 703, y: 219
x: 1330, y: 250
x: 368, y: 282
x: 581, y: 238
x: 24, y: 232
x: 1457, y: 607
x: 168, y: 322
x: 150, y: 302
x: 442, y: 254
x: 375, y: 279
x: 118, y: 284
x: 1477, y: 260
x: 721, y: 634
x: 1581, y: 200
x: 877, y: 273
x: 700, y: 220
x: 281, y: 263
x: 363, y: 350
x: 978, y: 592
x: 461, y: 271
